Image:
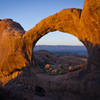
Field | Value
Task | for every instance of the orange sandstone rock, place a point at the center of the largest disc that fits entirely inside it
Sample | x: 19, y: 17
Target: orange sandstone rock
x: 16, y: 45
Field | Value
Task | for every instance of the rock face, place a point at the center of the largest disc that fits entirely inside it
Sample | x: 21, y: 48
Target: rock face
x: 84, y: 24
x: 16, y: 45
x: 11, y: 55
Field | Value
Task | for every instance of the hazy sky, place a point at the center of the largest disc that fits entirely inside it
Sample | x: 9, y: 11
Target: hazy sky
x: 29, y: 12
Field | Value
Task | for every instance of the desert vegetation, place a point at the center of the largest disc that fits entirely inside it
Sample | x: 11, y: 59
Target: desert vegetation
x: 57, y: 65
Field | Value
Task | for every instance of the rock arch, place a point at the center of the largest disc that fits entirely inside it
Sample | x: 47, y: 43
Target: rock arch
x: 16, y: 45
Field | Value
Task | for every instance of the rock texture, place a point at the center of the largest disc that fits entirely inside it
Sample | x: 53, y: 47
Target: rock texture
x: 12, y: 56
x: 16, y: 45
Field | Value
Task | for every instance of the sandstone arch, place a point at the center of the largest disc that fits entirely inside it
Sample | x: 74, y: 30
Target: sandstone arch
x: 16, y: 45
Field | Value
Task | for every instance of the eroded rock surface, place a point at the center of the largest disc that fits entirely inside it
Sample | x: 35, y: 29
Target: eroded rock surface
x: 12, y: 56
x: 16, y: 47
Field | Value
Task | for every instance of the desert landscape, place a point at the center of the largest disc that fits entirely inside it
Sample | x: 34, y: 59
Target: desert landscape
x: 26, y: 74
x: 49, y: 68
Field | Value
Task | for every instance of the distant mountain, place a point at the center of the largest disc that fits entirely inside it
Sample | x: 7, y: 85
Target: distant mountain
x: 63, y: 49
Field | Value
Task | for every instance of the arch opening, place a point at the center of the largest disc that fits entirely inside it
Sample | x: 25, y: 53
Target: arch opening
x: 58, y: 53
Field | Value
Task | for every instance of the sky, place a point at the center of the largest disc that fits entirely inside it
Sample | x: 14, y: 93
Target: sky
x: 29, y: 12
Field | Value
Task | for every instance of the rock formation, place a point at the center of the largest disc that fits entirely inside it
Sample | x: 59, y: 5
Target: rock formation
x: 84, y: 24
x: 16, y: 45
x: 12, y: 56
